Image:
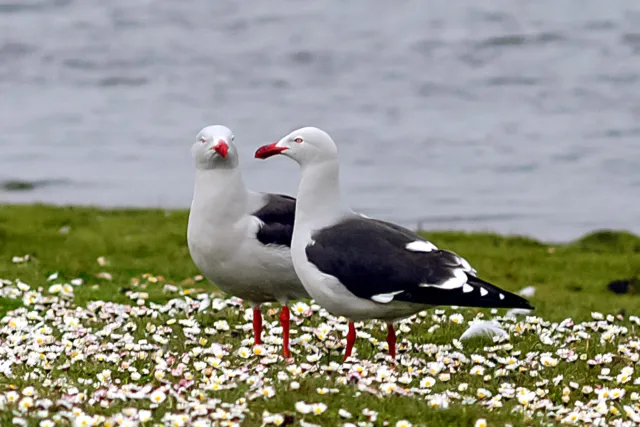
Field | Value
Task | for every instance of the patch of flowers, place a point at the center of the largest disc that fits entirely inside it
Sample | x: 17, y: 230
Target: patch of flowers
x: 191, y: 362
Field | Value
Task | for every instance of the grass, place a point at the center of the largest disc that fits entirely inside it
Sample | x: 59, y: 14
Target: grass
x: 143, y: 251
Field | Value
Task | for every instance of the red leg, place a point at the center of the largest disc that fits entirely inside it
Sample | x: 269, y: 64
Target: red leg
x: 257, y: 325
x: 284, y: 321
x: 391, y: 340
x: 351, y: 339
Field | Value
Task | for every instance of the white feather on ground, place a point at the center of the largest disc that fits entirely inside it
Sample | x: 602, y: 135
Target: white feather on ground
x: 529, y: 291
x: 483, y: 328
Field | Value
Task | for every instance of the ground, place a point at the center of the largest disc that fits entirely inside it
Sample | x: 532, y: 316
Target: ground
x: 105, y: 321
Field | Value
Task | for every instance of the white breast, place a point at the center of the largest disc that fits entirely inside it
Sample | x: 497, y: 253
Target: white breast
x: 245, y: 268
x: 222, y: 242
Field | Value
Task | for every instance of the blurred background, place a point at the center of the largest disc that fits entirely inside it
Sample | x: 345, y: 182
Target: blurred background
x: 515, y: 117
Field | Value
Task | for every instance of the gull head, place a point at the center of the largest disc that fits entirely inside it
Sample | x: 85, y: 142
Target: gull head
x: 305, y: 145
x: 214, y: 148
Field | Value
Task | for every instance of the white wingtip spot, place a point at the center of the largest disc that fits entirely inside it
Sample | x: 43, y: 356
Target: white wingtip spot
x: 458, y: 280
x: 501, y: 296
x: 467, y: 288
x: 421, y: 246
x: 483, y: 292
x: 385, y: 298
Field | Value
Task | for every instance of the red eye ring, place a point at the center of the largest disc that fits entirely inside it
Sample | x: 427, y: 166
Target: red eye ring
x: 203, y: 139
x: 298, y: 140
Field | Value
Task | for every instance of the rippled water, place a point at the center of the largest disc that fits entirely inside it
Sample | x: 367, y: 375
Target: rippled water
x: 518, y: 117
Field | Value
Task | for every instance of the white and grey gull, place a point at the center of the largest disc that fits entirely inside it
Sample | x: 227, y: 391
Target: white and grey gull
x: 362, y: 268
x: 240, y: 240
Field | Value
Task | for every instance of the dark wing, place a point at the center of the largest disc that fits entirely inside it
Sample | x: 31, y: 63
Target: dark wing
x: 277, y: 217
x: 384, y: 262
x: 412, y: 236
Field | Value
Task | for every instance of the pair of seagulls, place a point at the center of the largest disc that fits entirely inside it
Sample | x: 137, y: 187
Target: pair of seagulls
x: 270, y: 247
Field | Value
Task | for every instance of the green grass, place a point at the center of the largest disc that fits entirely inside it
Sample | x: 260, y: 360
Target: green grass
x: 570, y: 281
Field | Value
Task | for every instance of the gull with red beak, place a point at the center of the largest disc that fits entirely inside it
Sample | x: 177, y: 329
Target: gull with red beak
x: 363, y: 268
x: 240, y: 240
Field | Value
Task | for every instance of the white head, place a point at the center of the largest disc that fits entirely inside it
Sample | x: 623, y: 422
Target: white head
x: 214, y: 148
x: 305, y: 145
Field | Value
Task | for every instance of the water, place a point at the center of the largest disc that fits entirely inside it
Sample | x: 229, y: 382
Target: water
x: 516, y: 117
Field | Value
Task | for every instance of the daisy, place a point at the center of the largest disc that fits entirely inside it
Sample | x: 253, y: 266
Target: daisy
x: 318, y: 408
x: 388, y: 387
x: 25, y: 404
x: 303, y: 407
x: 483, y: 393
x: 83, y: 421
x: 548, y: 361
x: 617, y: 393
x: 456, y: 318
x: 267, y: 392
x: 625, y: 375
x: 158, y: 396
x: 439, y: 402
x: 144, y: 415
x: 427, y: 382
x: 29, y: 391
x: 221, y: 325
x: 54, y: 289
x: 344, y: 413
x: 244, y: 352
x: 495, y: 402
x: 477, y: 370
x: 300, y: 308
x: 313, y: 357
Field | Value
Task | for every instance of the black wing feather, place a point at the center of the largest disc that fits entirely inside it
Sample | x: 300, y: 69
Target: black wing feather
x: 277, y: 217
x: 370, y: 258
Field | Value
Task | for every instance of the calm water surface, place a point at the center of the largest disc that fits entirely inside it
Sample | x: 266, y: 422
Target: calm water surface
x: 517, y: 117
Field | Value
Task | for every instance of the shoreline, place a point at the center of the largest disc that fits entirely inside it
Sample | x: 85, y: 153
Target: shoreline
x: 123, y: 209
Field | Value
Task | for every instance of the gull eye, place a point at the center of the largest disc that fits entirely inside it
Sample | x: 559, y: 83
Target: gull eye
x: 203, y: 139
x: 233, y: 138
x: 298, y: 140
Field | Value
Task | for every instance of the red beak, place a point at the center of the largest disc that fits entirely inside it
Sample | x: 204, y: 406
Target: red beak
x: 221, y: 148
x: 267, y: 151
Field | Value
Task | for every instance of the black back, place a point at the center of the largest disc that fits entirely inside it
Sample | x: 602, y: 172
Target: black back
x: 277, y: 216
x: 369, y: 257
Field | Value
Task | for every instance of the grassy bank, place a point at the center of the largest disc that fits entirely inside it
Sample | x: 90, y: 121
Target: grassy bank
x: 130, y: 256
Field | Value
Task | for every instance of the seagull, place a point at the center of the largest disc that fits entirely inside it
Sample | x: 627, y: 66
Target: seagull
x: 362, y: 268
x: 240, y: 240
